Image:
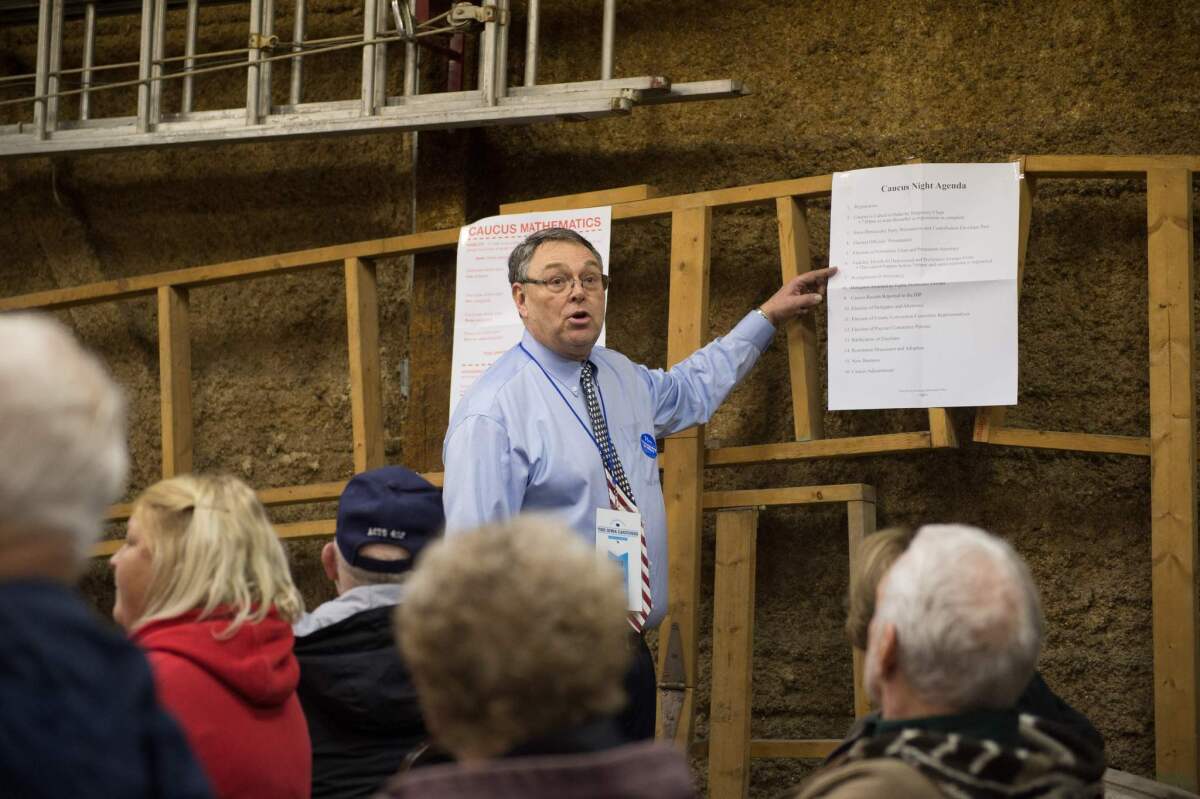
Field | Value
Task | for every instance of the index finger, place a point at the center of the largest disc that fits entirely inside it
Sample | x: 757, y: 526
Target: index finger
x: 818, y: 275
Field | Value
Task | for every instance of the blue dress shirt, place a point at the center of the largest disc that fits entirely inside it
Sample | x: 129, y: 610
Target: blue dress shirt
x: 519, y: 440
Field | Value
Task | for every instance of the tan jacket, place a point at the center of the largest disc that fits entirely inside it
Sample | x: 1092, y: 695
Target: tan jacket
x: 868, y: 779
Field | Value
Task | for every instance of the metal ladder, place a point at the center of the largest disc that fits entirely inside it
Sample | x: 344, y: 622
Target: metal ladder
x: 411, y: 25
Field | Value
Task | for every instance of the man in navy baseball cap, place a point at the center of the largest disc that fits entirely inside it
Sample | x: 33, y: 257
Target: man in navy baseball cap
x: 357, y: 695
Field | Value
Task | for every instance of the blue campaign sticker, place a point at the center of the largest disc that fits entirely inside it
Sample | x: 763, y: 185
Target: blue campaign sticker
x: 648, y: 445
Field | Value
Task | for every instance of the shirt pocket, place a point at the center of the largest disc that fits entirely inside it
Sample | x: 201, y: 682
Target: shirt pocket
x: 636, y: 457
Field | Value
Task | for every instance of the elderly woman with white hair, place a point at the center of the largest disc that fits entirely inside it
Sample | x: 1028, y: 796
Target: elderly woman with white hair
x: 515, y: 637
x: 203, y: 587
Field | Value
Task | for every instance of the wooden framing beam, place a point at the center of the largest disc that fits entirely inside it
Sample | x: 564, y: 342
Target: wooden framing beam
x: 587, y: 199
x: 729, y: 747
x: 990, y: 419
x: 366, y: 389
x: 822, y: 448
x: 732, y: 654
x: 1173, y: 476
x: 799, y: 495
x: 860, y: 522
x: 808, y: 412
x: 683, y: 471
x: 779, y: 748
x: 128, y: 287
x: 175, y: 379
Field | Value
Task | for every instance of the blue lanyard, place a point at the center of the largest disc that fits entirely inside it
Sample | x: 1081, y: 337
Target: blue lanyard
x: 571, y: 408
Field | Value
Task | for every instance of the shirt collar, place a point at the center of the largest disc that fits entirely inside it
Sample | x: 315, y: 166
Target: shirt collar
x: 565, y: 370
x: 994, y: 725
x: 356, y: 600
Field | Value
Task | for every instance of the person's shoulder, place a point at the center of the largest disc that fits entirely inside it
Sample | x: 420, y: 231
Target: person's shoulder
x: 617, y: 361
x: 866, y: 779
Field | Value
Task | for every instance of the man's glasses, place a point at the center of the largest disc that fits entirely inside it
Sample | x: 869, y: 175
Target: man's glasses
x: 591, y: 282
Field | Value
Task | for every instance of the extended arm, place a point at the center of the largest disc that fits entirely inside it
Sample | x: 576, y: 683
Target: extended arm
x: 690, y: 392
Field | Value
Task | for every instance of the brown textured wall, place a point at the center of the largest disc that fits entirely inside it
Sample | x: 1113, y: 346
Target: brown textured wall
x: 835, y: 86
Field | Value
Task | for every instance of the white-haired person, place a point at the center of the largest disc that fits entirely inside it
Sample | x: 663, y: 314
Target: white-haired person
x: 78, y: 713
x: 876, y: 554
x: 203, y: 587
x: 953, y: 642
x: 515, y: 635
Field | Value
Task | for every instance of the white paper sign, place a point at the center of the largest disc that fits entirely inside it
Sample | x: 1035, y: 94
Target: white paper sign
x: 619, y: 539
x: 923, y: 310
x: 486, y: 324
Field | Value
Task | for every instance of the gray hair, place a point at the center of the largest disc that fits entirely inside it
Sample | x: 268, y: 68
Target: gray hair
x: 62, y: 432
x: 522, y: 254
x: 967, y: 617
x: 356, y: 575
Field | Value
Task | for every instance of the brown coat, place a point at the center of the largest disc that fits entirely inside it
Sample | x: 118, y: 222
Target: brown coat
x: 647, y: 770
x: 868, y: 779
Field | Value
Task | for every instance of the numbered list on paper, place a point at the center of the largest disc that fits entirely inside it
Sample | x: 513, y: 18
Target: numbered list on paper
x: 923, y: 310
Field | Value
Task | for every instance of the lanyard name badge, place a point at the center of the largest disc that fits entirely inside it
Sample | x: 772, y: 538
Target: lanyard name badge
x: 618, y: 537
x: 618, y: 532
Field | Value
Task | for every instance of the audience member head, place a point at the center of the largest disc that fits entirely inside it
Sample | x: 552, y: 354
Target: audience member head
x: 957, y: 626
x: 62, y: 432
x: 385, y: 518
x: 876, y: 554
x: 513, y: 632
x: 197, y: 542
x: 521, y: 256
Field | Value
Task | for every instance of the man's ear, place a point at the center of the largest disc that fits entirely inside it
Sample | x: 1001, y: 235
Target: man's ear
x: 518, y: 295
x: 329, y: 561
x: 889, y: 652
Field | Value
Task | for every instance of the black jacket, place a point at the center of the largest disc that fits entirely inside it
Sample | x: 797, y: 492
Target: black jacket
x: 360, y: 704
x: 78, y: 713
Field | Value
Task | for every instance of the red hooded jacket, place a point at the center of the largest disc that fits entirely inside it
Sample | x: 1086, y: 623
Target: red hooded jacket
x: 236, y: 701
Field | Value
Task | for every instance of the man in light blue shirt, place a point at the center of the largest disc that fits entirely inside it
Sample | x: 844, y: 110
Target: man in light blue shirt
x: 521, y: 439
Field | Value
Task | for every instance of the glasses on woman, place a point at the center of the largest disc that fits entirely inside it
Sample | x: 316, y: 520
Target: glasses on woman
x: 557, y: 284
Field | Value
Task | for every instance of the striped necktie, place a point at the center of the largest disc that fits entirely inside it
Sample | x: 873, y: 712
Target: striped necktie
x: 620, y: 495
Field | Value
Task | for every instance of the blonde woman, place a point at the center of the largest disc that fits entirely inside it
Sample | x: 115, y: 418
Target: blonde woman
x: 203, y: 587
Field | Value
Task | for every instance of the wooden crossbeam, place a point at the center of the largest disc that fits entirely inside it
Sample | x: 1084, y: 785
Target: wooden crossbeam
x: 587, y: 199
x: 128, y: 287
x: 800, y: 495
x: 779, y: 748
x: 823, y: 448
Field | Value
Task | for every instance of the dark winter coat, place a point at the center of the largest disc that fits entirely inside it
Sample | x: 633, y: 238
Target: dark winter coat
x: 78, y: 713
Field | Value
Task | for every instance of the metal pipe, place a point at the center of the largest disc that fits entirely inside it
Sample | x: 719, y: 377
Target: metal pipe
x: 89, y: 55
x: 264, y: 70
x: 531, y: 43
x: 252, y: 65
x: 41, y: 76
x: 53, y: 83
x: 502, y: 48
x: 297, y: 88
x: 144, y: 55
x: 189, y: 53
x: 487, y: 59
x: 156, y: 67
x: 381, y: 16
x: 370, y: 17
x: 608, y: 35
x: 410, y: 59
